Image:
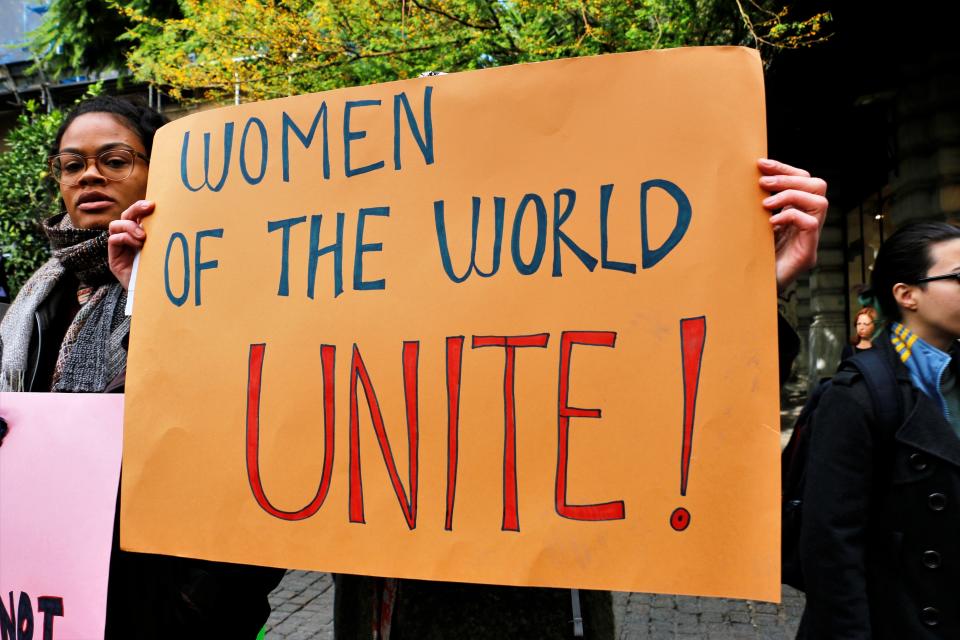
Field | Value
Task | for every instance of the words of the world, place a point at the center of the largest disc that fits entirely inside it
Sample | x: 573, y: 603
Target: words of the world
x: 547, y: 213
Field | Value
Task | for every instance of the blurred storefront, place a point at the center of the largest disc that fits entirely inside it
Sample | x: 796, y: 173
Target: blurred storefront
x: 875, y: 112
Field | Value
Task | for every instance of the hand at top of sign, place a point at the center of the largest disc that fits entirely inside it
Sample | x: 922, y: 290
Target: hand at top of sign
x: 126, y: 239
x: 799, y: 204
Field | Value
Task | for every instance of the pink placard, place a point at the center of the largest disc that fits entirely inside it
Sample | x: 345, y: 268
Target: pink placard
x: 59, y: 468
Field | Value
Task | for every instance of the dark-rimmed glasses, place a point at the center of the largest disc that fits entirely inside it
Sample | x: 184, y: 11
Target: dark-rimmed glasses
x: 947, y: 276
x: 113, y: 164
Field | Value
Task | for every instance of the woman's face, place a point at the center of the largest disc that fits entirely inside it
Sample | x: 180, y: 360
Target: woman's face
x: 938, y: 302
x: 94, y: 201
x: 864, y: 326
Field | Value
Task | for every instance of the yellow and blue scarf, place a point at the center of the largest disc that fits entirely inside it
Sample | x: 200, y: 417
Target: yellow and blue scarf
x: 926, y: 365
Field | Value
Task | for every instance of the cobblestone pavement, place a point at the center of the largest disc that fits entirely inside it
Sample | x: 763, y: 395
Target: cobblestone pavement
x: 302, y: 607
x: 303, y: 610
x: 642, y: 616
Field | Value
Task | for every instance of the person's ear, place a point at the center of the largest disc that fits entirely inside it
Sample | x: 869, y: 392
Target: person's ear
x: 906, y: 295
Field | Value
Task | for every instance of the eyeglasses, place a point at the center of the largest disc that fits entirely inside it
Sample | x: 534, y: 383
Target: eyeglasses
x: 113, y: 164
x: 946, y: 276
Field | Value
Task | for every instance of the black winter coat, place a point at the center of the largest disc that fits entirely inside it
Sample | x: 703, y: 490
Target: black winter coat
x: 880, y: 541
x: 51, y: 321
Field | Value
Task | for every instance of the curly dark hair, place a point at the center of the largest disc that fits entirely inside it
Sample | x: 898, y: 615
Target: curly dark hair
x: 139, y: 118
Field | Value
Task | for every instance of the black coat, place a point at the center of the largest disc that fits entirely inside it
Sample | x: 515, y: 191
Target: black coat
x: 426, y: 610
x: 880, y: 541
x: 51, y: 321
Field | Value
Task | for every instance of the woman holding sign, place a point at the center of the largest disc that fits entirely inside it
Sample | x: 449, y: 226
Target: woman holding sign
x: 66, y: 332
x: 424, y: 609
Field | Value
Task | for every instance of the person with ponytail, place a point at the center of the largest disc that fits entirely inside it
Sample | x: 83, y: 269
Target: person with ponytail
x: 880, y: 538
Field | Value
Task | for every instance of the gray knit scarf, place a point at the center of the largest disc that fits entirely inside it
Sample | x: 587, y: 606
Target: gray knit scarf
x: 91, y: 354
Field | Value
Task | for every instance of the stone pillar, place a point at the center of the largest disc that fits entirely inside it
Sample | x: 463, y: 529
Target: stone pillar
x: 927, y: 107
x: 794, y: 305
x: 804, y: 321
x: 828, y: 328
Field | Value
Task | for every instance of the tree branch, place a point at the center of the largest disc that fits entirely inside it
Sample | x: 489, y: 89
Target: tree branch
x: 496, y: 20
x: 450, y: 16
x: 334, y: 63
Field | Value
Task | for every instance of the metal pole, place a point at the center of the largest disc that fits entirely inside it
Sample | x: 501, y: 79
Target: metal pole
x: 863, y: 249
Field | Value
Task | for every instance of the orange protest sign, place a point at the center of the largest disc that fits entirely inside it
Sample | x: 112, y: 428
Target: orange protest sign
x: 509, y: 326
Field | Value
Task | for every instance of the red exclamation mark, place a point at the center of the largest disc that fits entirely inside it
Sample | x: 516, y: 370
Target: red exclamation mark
x: 693, y: 334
